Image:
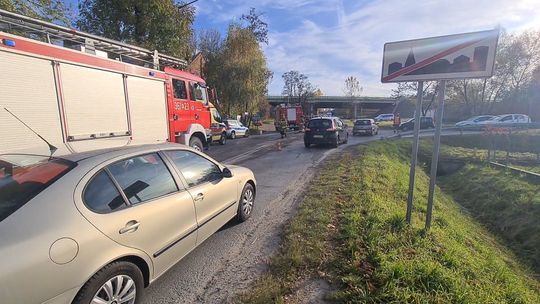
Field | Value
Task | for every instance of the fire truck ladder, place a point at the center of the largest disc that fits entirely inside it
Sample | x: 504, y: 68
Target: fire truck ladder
x: 67, y: 37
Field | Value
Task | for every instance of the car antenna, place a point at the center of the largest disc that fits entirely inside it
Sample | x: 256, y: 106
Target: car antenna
x: 52, y: 148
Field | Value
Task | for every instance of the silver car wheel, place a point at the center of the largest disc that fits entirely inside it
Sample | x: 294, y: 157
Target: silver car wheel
x: 247, y: 201
x: 120, y: 289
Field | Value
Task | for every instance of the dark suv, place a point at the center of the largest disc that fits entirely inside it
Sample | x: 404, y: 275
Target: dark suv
x: 425, y: 123
x: 326, y: 130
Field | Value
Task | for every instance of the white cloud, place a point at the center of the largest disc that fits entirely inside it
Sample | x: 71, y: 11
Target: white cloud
x: 354, y: 47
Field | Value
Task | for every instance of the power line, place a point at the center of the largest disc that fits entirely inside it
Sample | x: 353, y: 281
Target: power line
x: 182, y: 6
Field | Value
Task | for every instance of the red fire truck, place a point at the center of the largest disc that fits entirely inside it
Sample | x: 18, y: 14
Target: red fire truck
x: 85, y: 91
x: 292, y: 113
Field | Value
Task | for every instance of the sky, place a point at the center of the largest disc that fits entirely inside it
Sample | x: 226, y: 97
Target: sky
x: 331, y: 40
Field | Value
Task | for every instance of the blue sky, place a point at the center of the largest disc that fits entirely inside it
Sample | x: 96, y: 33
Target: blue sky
x: 330, y: 40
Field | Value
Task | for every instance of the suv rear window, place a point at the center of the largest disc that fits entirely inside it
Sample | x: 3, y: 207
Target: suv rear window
x: 22, y: 177
x: 362, y: 122
x: 320, y: 123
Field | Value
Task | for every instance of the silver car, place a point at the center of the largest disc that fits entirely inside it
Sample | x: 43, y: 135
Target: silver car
x: 365, y: 126
x: 98, y: 227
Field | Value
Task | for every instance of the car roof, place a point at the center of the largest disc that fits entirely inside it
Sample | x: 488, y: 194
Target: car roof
x: 316, y: 118
x: 112, y: 152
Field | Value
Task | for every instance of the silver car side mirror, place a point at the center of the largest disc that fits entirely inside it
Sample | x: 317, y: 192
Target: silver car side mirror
x: 227, y: 173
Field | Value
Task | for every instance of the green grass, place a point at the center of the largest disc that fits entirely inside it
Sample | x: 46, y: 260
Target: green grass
x: 507, y: 204
x: 350, y: 230
x: 471, y: 148
x: 518, y: 142
x: 386, y: 124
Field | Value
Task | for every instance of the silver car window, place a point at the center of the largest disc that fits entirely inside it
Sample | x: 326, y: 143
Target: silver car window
x: 195, y: 169
x: 22, y: 177
x: 143, y: 178
x: 101, y: 195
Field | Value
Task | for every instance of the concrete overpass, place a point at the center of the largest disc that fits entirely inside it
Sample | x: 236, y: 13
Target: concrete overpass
x: 351, y: 107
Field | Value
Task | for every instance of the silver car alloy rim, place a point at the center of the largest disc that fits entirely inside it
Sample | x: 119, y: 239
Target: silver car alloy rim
x: 119, y: 290
x: 247, y: 201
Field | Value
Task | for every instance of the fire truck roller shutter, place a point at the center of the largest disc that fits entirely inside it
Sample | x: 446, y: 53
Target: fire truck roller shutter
x: 27, y: 88
x: 94, y: 102
x: 291, y: 114
x: 148, y: 110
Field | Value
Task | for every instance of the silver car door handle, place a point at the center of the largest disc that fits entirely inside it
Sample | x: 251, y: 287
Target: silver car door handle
x: 199, y: 197
x: 131, y: 226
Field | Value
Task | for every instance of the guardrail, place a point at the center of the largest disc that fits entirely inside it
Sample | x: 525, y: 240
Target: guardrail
x: 516, y: 170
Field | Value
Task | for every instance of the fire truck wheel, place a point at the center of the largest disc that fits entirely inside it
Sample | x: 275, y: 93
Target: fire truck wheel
x: 196, y: 143
x: 223, y: 138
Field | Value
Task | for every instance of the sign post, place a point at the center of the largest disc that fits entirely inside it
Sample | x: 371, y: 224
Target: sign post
x: 435, y: 155
x: 414, y: 156
x: 461, y: 56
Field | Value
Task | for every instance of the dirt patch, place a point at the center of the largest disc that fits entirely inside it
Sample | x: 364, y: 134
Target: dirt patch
x: 311, y: 291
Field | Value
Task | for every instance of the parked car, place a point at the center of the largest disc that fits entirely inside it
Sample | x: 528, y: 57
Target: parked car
x: 236, y: 128
x: 507, y: 120
x: 365, y: 126
x: 474, y: 121
x: 99, y: 226
x: 384, y: 117
x: 425, y: 123
x: 218, y: 132
x: 326, y: 130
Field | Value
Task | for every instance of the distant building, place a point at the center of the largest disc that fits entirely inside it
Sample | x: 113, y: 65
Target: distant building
x: 480, y: 58
x: 439, y: 66
x: 461, y: 63
x: 410, y: 59
x: 394, y: 67
x: 196, y: 65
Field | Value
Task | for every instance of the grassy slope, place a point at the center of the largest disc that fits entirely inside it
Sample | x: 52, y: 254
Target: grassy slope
x: 508, y: 204
x: 350, y: 229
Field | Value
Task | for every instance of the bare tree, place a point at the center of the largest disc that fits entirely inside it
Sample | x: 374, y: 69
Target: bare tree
x: 209, y: 42
x: 517, y: 57
x: 256, y: 25
x: 408, y: 90
x: 297, y: 87
x: 352, y: 87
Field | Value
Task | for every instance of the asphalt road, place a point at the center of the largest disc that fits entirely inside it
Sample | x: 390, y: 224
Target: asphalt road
x: 231, y: 259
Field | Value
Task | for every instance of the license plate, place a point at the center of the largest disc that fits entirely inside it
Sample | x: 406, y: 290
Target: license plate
x: 317, y: 136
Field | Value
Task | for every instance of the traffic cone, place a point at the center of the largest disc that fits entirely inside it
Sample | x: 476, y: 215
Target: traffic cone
x: 279, y: 146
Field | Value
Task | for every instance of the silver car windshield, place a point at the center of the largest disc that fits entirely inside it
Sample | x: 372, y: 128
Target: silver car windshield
x: 22, y: 177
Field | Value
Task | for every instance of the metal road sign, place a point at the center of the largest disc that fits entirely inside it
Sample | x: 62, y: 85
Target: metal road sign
x: 469, y: 55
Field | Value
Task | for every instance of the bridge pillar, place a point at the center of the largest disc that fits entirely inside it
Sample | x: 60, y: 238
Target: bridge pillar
x: 355, y: 110
x: 310, y: 109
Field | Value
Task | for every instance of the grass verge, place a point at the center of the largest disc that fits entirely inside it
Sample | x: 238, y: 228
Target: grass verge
x: 305, y: 243
x: 507, y: 204
x: 350, y: 230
